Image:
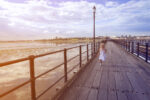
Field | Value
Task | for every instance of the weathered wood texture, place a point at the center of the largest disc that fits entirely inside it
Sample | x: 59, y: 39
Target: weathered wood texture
x: 121, y: 77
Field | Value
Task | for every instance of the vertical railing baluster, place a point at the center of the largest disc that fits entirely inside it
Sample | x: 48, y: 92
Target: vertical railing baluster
x: 95, y: 47
x: 99, y: 45
x: 87, y: 52
x: 146, y: 52
x: 91, y: 51
x: 32, y: 77
x: 126, y: 45
x: 65, y: 64
x: 123, y: 44
x: 129, y: 47
x: 80, y: 53
x: 138, y: 49
x: 132, y: 47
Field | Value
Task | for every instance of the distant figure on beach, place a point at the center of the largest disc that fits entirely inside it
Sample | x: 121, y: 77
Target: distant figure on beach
x: 102, y: 55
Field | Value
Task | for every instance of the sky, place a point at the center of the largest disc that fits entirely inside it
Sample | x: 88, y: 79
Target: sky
x: 43, y: 19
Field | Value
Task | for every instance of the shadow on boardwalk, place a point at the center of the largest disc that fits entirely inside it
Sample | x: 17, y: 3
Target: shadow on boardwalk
x: 121, y: 77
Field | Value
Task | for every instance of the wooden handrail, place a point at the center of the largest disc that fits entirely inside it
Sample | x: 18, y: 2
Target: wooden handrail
x: 33, y: 78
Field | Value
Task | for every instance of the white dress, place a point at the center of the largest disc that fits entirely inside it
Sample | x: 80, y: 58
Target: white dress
x: 102, y: 55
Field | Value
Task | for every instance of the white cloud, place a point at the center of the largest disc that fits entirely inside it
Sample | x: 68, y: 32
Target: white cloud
x: 43, y: 18
x: 111, y: 4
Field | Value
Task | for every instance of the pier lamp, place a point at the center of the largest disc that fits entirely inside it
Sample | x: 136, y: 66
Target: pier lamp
x: 94, y: 11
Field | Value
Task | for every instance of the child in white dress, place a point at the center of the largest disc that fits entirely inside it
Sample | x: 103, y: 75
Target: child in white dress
x: 102, y: 55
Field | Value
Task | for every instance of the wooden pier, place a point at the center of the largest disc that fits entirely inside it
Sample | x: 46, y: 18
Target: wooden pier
x: 121, y: 77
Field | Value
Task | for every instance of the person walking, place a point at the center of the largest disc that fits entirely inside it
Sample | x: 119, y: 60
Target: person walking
x: 102, y: 55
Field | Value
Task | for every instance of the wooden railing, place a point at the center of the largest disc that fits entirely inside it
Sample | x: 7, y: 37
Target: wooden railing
x: 140, y: 49
x: 89, y: 54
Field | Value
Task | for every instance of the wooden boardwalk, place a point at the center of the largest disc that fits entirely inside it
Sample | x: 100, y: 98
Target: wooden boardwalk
x: 121, y: 77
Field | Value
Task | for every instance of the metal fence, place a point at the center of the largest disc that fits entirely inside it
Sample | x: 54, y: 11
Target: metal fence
x: 138, y: 48
x: 88, y: 54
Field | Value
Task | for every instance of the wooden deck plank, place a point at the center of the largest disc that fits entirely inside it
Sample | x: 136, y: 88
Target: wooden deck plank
x: 121, y: 77
x: 129, y: 89
x: 103, y: 88
x: 143, y: 74
x: 143, y: 84
x: 90, y: 79
x: 137, y: 88
x: 83, y: 78
x: 71, y: 94
x: 119, y: 86
x: 97, y: 78
x: 93, y: 94
x: 112, y: 93
x: 84, y: 93
x: 140, y: 74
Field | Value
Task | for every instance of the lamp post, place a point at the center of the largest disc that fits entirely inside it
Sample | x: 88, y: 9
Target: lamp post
x: 94, y: 11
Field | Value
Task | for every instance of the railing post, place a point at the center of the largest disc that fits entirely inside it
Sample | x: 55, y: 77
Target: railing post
x: 91, y: 51
x: 95, y: 47
x: 129, y: 47
x: 99, y: 45
x: 80, y: 53
x: 65, y: 64
x: 32, y: 77
x: 126, y: 45
x: 138, y: 49
x: 146, y: 58
x: 123, y: 44
x: 132, y: 47
x: 87, y: 52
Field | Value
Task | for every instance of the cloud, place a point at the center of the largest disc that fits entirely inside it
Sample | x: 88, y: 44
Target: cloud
x: 129, y: 17
x: 42, y: 18
x: 111, y: 4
